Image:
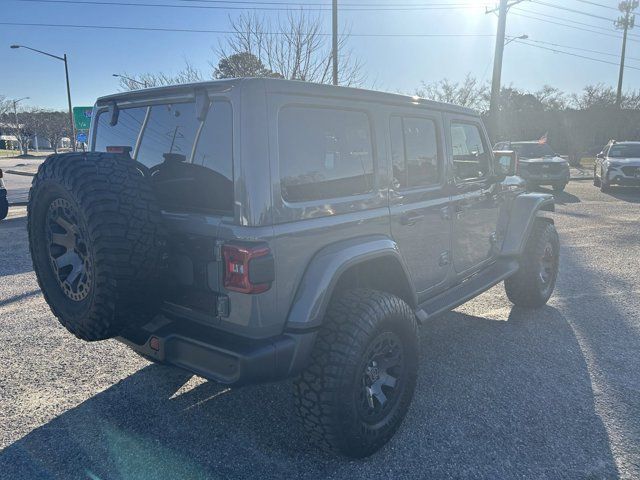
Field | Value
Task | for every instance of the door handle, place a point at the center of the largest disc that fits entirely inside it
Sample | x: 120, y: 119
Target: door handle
x: 407, y: 219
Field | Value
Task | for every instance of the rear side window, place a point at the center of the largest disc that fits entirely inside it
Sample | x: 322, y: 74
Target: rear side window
x: 122, y: 134
x: 191, y: 161
x: 470, y: 157
x: 414, y: 150
x: 324, y: 153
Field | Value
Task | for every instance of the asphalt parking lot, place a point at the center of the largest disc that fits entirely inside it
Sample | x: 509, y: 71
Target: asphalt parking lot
x: 502, y: 392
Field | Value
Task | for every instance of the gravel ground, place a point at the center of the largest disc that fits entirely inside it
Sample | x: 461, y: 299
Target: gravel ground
x: 502, y: 392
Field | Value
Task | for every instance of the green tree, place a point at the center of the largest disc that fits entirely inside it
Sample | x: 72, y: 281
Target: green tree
x: 243, y: 64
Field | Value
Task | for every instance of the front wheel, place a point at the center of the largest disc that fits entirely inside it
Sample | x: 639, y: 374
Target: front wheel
x: 534, y: 282
x: 355, y: 393
x: 596, y: 179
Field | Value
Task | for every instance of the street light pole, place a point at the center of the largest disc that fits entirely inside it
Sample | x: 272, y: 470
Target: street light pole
x: 73, y: 127
x: 66, y: 72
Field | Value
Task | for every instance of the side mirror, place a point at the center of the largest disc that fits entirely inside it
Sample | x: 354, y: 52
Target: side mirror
x: 600, y: 156
x: 504, y: 163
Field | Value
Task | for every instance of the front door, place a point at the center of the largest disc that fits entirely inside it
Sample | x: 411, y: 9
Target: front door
x: 419, y: 201
x: 474, y: 200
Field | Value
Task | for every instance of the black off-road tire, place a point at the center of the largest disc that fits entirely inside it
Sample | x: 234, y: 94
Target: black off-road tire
x: 331, y: 394
x: 559, y: 187
x: 533, y: 283
x: 98, y: 208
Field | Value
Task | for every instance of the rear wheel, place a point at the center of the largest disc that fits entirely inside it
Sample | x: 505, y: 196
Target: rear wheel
x: 357, y: 389
x: 534, y: 282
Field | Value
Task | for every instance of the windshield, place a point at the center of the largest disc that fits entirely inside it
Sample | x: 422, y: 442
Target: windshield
x: 533, y: 150
x: 625, y: 151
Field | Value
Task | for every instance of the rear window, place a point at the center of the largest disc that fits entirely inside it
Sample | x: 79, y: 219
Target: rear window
x: 191, y: 161
x: 324, y: 153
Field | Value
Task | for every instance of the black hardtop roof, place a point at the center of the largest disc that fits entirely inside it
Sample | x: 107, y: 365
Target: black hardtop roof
x: 275, y: 85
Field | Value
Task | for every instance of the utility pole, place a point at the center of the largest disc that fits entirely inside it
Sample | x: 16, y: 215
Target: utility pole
x: 334, y: 38
x: 626, y: 23
x: 494, y: 105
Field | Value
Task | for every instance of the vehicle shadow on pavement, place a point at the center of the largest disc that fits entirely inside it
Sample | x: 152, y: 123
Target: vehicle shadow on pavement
x: 626, y: 194
x: 562, y: 198
x: 496, y: 398
x: 12, y: 243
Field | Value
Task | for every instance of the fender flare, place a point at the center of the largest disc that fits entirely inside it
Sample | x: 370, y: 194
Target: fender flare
x: 524, y: 210
x: 317, y: 284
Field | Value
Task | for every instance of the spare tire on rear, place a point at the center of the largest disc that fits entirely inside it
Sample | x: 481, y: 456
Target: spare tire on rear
x: 97, y: 241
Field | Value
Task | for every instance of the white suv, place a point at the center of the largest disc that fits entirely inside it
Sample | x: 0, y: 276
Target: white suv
x: 617, y: 164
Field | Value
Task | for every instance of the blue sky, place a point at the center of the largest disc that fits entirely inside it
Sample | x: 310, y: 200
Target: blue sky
x: 392, y: 63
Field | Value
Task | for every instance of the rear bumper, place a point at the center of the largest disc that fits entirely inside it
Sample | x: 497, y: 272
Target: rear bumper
x: 220, y: 356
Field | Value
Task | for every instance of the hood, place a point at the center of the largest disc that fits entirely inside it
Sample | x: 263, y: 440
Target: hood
x: 543, y: 160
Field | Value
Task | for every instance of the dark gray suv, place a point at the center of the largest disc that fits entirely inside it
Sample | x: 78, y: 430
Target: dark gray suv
x: 253, y: 230
x: 538, y: 164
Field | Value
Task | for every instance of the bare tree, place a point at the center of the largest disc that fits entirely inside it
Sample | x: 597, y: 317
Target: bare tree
x: 552, y: 98
x: 594, y: 96
x: 22, y: 124
x: 53, y: 126
x: 293, y: 47
x: 5, y: 105
x: 468, y: 93
x: 189, y: 74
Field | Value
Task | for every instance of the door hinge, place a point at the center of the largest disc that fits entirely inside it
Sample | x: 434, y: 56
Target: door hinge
x: 445, y: 259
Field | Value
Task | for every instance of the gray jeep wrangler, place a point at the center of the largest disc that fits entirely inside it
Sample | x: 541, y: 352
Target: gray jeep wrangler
x: 254, y: 230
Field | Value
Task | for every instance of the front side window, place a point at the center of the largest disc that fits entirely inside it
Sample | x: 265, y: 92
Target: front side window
x: 414, y: 151
x: 470, y: 157
x: 324, y: 153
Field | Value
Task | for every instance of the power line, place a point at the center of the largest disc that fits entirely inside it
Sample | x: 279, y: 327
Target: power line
x: 194, y: 30
x: 572, y: 10
x: 597, y: 4
x: 546, y: 20
x: 285, y: 6
x: 580, y: 49
x: 524, y: 42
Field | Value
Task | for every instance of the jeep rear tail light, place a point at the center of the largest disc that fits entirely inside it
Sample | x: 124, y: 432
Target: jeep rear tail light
x: 247, y: 269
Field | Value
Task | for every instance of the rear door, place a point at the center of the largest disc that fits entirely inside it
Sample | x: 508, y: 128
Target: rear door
x: 474, y: 200
x: 419, y: 201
